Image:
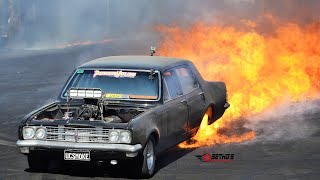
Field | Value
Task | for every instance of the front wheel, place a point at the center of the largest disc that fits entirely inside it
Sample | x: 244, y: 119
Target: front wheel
x: 148, y: 159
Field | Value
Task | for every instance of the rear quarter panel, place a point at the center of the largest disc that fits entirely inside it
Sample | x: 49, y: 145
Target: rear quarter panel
x: 215, y: 92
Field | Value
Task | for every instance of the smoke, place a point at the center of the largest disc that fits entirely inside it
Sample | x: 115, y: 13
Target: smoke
x: 284, y: 123
x: 47, y: 23
x: 287, y: 122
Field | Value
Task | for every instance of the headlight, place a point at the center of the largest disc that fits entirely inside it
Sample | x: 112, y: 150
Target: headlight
x: 34, y: 132
x: 125, y: 137
x: 114, y: 136
x: 120, y: 136
x: 28, y: 132
x: 41, y: 133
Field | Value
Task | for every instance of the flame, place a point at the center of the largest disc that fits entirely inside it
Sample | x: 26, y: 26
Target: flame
x: 260, y: 70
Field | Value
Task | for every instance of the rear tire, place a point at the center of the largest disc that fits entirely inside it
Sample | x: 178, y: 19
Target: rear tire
x: 214, y: 113
x: 37, y: 162
x: 147, y: 160
x: 209, y: 112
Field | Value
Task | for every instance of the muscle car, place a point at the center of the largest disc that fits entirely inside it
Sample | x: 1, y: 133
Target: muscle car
x: 122, y: 108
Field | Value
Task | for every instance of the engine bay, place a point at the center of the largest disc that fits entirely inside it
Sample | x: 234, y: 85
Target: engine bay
x: 89, y: 111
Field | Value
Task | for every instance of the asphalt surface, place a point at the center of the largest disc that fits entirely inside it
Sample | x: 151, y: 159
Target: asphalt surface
x: 287, y: 149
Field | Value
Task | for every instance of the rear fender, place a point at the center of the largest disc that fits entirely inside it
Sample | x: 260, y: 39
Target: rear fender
x: 216, y: 99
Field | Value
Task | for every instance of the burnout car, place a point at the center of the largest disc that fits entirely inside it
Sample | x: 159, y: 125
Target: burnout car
x: 122, y: 108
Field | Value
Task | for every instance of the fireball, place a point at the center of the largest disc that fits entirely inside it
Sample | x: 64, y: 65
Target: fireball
x: 261, y: 70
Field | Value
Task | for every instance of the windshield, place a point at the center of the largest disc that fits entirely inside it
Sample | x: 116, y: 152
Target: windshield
x: 118, y: 84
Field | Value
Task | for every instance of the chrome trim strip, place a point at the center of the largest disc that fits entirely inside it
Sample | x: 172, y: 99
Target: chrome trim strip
x: 82, y: 135
x: 72, y: 145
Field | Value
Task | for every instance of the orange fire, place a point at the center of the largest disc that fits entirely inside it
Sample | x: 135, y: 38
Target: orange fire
x: 260, y: 70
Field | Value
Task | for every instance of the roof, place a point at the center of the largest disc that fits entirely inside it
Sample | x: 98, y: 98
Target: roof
x: 134, y: 62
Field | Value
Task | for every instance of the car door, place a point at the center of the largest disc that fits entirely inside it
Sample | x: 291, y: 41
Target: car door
x: 176, y: 109
x: 194, y: 96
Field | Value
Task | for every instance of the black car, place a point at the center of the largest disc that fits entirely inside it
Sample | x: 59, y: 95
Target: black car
x: 122, y: 108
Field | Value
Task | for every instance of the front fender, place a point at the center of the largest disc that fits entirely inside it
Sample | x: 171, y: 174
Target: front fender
x: 145, y: 125
x: 27, y: 117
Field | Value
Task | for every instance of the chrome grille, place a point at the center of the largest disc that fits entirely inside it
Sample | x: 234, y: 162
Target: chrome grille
x: 69, y: 134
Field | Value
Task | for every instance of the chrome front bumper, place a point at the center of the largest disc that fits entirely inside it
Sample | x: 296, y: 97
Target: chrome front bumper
x: 130, y: 150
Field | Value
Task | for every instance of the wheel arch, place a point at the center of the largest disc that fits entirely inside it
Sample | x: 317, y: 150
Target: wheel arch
x: 210, y: 110
x: 155, y: 134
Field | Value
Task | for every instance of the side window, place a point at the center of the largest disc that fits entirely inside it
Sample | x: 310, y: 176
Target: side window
x: 187, y: 80
x: 171, y: 83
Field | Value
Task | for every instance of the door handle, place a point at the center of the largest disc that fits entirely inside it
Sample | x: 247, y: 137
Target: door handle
x: 202, y: 95
x: 184, y: 101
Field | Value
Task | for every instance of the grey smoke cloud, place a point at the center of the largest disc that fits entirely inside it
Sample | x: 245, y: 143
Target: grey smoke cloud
x: 42, y: 22
x: 284, y: 123
x: 287, y: 122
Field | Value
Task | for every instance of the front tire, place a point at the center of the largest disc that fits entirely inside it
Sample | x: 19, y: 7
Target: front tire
x: 148, y: 159
x: 37, y: 162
